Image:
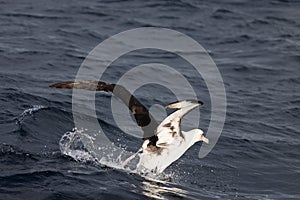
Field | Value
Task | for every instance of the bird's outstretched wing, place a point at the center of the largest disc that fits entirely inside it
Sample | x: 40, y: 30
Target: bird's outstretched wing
x: 169, y: 128
x: 141, y: 114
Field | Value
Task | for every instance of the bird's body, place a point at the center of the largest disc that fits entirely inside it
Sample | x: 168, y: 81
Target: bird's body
x: 171, y: 142
x: 158, y: 160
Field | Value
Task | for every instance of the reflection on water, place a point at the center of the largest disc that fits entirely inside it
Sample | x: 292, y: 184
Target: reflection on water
x: 159, y: 189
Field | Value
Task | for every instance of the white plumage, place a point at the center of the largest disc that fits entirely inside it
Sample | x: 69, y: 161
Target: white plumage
x: 172, y: 142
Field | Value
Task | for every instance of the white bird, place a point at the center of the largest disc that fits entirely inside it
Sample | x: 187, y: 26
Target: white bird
x: 172, y: 143
x: 163, y: 143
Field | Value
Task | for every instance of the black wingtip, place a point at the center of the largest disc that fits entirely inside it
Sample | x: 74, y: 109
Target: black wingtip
x: 55, y: 85
x: 180, y: 104
x: 195, y: 101
x: 200, y: 103
x: 64, y: 85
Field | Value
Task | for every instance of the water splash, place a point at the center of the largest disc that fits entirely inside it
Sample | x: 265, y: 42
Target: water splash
x: 71, y: 144
x: 29, y: 112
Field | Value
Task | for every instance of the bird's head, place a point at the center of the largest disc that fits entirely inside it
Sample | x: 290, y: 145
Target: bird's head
x: 199, y: 136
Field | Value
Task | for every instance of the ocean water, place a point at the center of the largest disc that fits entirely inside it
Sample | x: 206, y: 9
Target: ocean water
x: 256, y: 46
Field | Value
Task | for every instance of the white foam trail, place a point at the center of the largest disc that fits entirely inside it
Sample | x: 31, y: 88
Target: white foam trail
x: 29, y: 112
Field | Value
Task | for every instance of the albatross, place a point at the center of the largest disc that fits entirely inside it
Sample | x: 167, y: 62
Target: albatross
x: 164, y: 143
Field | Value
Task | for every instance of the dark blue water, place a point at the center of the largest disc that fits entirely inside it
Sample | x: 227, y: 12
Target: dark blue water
x: 256, y: 46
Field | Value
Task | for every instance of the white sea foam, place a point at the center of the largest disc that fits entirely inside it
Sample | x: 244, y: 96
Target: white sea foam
x: 29, y: 112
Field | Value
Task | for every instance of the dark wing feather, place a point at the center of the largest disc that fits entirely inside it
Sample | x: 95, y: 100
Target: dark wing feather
x: 141, y: 114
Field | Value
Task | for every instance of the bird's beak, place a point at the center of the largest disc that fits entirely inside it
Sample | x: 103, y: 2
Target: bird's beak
x: 204, y: 139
